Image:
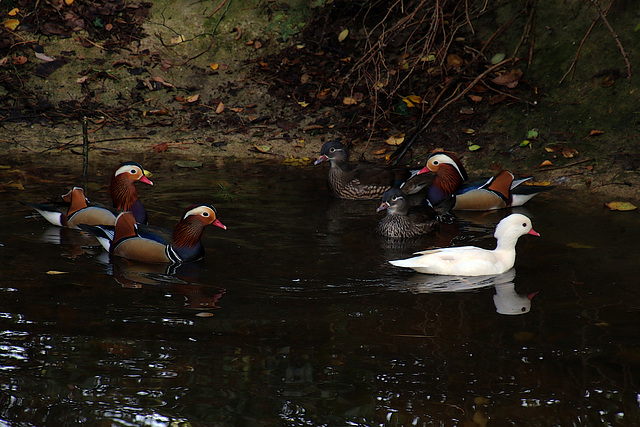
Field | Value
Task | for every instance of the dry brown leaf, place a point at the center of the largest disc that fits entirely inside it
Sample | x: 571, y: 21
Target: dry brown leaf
x: 82, y: 79
x: 509, y: 79
x: 395, y: 139
x: 596, y: 132
x: 475, y: 98
x: 545, y: 163
x: 257, y: 44
x: 44, y: 57
x: 160, y: 148
x: 323, y: 93
x: 379, y: 151
x: 220, y: 108
x: 569, y: 152
x: 193, y: 98
x: 454, y: 60
x: 19, y: 60
x: 236, y: 109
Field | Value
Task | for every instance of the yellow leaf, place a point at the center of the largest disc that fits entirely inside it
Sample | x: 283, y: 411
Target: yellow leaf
x: 621, y: 206
x: 303, y: 104
x: 395, y: 139
x: 468, y: 131
x: 53, y: 272
x: 538, y: 183
x: 545, y: 163
x: 569, y: 152
x: 412, y: 100
x: 262, y: 148
x: 13, y: 12
x: 343, y: 35
x: 68, y: 2
x: 214, y: 66
x: 348, y: 100
x: 177, y: 39
x: 11, y: 24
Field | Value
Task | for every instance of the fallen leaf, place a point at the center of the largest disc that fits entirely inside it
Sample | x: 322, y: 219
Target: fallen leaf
x: 193, y: 98
x: 82, y: 79
x: 466, y: 110
x: 11, y: 24
x: 323, y: 93
x: 596, y: 132
x: 468, y: 131
x: 303, y: 104
x: 44, y: 57
x: 108, y: 27
x: 454, y: 60
x: 296, y: 161
x: 569, y: 152
x: 498, y: 57
x: 220, y: 107
x: 608, y: 81
x: 349, y: 100
x: 538, y: 183
x: 159, y: 112
x: 13, y: 12
x: 160, y: 148
x: 532, y: 134
x: 214, y: 66
x: 395, y: 139
x: 262, y: 148
x: 177, y: 39
x: 19, y: 60
x: 621, y: 206
x: 54, y: 272
x: 236, y: 109
x: 4, y: 61
x: 343, y: 35
x: 545, y: 163
x: 475, y: 98
x: 474, y: 147
x: 379, y: 151
x: 412, y: 100
x: 509, y: 79
x: 257, y: 45
x: 161, y: 81
x: 68, y: 2
x: 525, y: 143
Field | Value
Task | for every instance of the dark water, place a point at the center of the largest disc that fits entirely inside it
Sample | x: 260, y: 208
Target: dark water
x: 295, y: 318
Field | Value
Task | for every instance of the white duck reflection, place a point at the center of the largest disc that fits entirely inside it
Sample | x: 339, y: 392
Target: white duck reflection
x: 506, y: 300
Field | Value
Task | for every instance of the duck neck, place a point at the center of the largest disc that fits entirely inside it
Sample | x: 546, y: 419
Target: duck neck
x: 447, y: 180
x: 187, y: 233
x: 123, y: 193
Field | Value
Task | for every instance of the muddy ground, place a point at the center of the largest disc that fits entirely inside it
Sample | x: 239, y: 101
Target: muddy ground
x: 263, y: 97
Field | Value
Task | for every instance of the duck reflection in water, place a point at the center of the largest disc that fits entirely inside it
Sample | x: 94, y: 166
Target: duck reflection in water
x: 506, y: 300
x: 180, y: 279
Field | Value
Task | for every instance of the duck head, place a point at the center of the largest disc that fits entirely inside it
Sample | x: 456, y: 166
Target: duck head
x: 333, y: 151
x: 394, y: 201
x: 188, y: 231
x: 122, y: 189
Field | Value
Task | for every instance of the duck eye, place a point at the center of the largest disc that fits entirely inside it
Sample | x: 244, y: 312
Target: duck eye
x: 524, y: 224
x: 331, y: 150
x: 435, y: 162
x: 133, y: 171
x: 205, y: 214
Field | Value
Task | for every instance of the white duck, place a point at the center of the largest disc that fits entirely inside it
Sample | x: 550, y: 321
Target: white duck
x: 471, y: 260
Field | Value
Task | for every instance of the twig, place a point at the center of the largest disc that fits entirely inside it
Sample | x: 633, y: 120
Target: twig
x: 615, y: 36
x: 574, y: 63
x: 564, y: 166
x: 217, y: 8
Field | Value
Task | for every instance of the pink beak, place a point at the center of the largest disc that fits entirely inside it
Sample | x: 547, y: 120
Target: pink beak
x: 145, y: 180
x: 217, y: 223
x: 531, y: 295
x: 424, y: 170
x: 383, y: 206
x: 534, y: 233
x: 320, y: 159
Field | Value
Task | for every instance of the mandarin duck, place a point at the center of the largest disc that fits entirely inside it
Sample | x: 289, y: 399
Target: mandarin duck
x: 500, y: 191
x: 73, y: 210
x: 128, y: 239
x: 364, y: 181
x: 123, y: 191
x: 402, y: 221
x: 76, y: 209
x: 471, y: 260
